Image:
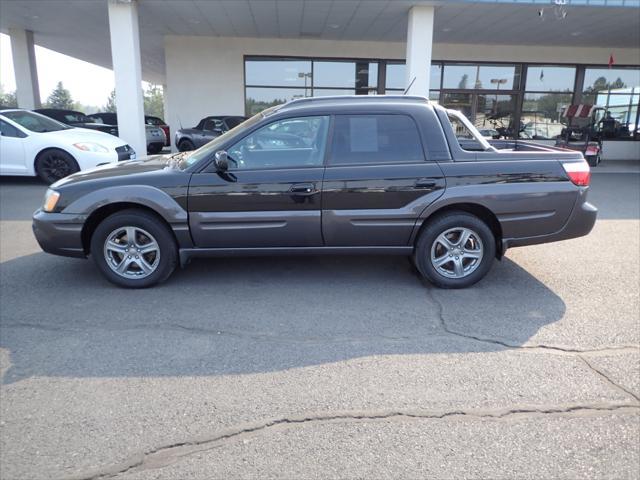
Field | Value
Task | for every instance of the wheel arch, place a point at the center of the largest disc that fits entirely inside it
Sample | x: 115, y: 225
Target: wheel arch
x: 476, y: 209
x: 99, y: 214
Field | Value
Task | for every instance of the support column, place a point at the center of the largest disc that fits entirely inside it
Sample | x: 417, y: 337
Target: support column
x: 419, y: 46
x: 125, y: 55
x: 24, y: 65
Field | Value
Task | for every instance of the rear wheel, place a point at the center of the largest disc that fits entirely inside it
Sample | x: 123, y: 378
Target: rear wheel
x: 154, y: 148
x: 186, y: 145
x: 593, y: 160
x: 455, y: 250
x: 52, y: 165
x: 134, y: 249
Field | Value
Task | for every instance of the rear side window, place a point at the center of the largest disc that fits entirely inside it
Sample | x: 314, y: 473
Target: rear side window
x: 362, y: 139
x: 10, y: 131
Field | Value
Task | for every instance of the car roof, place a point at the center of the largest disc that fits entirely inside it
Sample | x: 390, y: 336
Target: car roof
x: 342, y: 100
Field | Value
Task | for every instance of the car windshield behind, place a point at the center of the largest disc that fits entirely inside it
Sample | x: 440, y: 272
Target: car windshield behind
x: 233, y: 122
x: 213, y: 146
x: 35, y: 122
x: 77, y: 117
x: 153, y: 121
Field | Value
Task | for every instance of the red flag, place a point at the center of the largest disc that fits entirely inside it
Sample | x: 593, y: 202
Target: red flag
x: 611, y: 60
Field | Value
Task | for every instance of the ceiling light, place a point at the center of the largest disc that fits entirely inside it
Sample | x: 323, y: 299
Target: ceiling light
x: 446, y: 29
x: 576, y: 34
x: 333, y: 25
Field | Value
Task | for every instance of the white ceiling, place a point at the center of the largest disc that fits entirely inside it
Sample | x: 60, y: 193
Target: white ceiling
x: 80, y: 27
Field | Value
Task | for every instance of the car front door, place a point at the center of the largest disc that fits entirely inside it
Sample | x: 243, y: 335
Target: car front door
x: 377, y: 181
x: 270, y: 195
x: 12, y: 150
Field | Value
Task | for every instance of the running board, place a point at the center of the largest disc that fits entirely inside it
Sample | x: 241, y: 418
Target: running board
x: 186, y: 254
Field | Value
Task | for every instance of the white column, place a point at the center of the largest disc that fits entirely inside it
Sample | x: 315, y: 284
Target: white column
x: 125, y: 54
x: 24, y: 65
x: 419, y: 46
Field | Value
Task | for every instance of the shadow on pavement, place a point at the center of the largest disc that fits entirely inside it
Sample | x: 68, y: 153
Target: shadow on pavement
x: 229, y: 316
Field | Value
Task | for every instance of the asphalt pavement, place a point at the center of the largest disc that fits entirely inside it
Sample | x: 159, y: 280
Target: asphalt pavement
x: 324, y: 367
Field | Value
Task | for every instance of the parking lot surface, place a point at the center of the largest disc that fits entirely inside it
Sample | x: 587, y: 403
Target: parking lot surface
x: 324, y: 367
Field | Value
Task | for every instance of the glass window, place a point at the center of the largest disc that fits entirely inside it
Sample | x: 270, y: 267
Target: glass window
x: 396, y: 76
x: 547, y: 78
x: 331, y: 92
x: 603, y: 79
x: 542, y: 115
x: 258, y: 99
x: 283, y: 73
x: 7, y: 130
x: 294, y: 142
x: 469, y: 138
x: 35, y: 122
x: 362, y: 139
x: 334, y: 74
x: 212, y: 124
x: 487, y: 77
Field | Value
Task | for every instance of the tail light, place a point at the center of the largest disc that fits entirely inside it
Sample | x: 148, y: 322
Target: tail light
x: 579, y: 172
x: 592, y: 150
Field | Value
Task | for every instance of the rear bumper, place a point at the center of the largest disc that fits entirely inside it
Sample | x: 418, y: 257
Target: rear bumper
x: 580, y: 223
x: 59, y: 233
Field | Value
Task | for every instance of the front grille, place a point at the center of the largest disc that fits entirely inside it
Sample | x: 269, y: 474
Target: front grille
x: 125, y: 152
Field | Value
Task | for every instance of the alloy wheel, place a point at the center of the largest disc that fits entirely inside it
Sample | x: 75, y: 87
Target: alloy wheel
x: 132, y: 252
x: 457, y: 252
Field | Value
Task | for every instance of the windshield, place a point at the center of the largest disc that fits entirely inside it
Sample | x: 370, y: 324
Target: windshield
x: 35, y: 122
x: 233, y: 122
x: 467, y: 134
x: 76, y: 117
x: 210, y: 148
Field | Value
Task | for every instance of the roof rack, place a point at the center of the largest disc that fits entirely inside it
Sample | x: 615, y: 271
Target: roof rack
x: 359, y: 98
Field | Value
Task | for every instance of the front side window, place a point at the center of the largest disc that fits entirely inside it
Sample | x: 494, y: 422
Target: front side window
x: 363, y: 139
x: 212, y: 124
x: 293, y: 142
x: 35, y: 122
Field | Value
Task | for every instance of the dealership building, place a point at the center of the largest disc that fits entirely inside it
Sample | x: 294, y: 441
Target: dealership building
x: 510, y: 65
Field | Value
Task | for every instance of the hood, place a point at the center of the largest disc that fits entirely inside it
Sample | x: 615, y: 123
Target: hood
x: 75, y: 135
x: 115, y: 171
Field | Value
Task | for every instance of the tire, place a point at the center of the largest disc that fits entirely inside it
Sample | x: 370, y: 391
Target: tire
x: 456, y: 269
x: 53, y: 164
x: 154, y: 148
x: 160, y: 260
x: 186, y: 145
x: 593, y: 160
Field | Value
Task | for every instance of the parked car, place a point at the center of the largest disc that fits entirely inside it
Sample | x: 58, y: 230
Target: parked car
x: 77, y: 119
x: 369, y: 174
x: 207, y: 129
x: 32, y: 144
x: 155, y: 135
x: 158, y: 122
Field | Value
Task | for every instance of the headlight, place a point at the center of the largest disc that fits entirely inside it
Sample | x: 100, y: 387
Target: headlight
x: 91, y: 147
x: 50, y: 200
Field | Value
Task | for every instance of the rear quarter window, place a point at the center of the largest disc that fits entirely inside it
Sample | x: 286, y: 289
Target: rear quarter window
x: 366, y: 139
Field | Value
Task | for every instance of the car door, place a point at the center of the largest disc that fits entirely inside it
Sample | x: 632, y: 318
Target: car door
x: 12, y: 150
x: 270, y: 195
x: 377, y: 181
x: 210, y: 130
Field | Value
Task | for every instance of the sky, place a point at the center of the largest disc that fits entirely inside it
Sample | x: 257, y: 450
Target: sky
x: 89, y: 84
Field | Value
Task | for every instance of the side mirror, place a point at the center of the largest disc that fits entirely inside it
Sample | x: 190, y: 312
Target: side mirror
x: 221, y: 161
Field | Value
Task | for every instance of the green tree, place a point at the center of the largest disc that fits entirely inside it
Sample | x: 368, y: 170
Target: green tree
x: 111, y: 102
x: 60, y: 98
x: 8, y: 99
x: 153, y: 98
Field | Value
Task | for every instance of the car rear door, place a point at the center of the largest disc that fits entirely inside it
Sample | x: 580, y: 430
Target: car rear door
x: 270, y: 196
x: 377, y: 181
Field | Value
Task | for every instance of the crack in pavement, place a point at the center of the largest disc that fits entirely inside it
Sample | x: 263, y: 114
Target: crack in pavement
x: 615, y: 385
x: 169, y: 454
x: 267, y: 337
x: 540, y: 346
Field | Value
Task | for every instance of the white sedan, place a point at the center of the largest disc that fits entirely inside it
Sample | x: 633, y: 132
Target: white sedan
x: 32, y: 144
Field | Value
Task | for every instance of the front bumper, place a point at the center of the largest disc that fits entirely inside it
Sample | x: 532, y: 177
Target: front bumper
x: 580, y: 223
x: 59, y: 233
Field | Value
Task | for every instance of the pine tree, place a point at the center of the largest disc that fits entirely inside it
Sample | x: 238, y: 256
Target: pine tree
x: 154, y: 101
x: 60, y: 98
x: 111, y: 102
x: 8, y: 99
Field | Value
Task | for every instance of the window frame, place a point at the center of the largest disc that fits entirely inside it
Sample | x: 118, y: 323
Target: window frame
x: 329, y: 150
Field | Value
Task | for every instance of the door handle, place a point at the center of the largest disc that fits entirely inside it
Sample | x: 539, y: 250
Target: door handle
x: 426, y: 183
x: 303, y: 189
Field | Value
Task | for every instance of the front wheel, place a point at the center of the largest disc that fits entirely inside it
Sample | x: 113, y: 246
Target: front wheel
x: 455, y: 250
x: 52, y: 165
x: 134, y: 249
x: 186, y: 145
